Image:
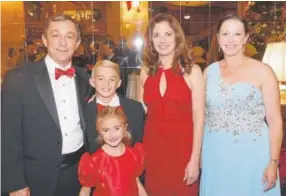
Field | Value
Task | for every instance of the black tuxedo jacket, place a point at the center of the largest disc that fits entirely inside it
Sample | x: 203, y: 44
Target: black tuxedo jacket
x: 31, y: 135
x: 134, y: 112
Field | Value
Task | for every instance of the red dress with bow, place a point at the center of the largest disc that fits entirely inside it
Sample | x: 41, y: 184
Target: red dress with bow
x: 168, y: 136
x: 112, y: 176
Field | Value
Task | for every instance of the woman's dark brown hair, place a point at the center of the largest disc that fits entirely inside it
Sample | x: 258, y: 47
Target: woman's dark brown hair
x: 232, y: 16
x: 181, y: 57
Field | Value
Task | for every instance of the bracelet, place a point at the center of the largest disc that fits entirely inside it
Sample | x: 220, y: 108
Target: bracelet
x: 274, y: 161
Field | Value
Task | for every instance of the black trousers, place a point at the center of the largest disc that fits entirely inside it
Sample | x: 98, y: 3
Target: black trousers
x: 68, y: 183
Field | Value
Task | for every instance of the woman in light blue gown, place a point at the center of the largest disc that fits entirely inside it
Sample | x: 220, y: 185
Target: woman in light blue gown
x: 240, y: 150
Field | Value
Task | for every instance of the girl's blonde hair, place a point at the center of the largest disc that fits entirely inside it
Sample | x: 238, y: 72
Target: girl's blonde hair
x: 106, y: 63
x: 109, y: 112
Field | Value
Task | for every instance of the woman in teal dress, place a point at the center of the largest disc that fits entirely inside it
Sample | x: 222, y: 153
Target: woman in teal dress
x: 240, y: 150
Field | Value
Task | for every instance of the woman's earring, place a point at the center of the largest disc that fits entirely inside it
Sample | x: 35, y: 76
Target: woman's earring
x: 218, y: 48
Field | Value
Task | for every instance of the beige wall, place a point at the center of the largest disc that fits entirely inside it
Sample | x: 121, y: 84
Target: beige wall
x: 116, y: 21
x: 113, y: 20
x: 132, y: 21
x: 12, y: 29
x: 123, y: 23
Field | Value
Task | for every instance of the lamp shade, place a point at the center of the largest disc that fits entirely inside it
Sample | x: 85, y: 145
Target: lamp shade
x: 275, y: 56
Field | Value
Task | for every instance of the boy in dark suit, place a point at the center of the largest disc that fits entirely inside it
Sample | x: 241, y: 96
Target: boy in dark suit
x: 105, y: 79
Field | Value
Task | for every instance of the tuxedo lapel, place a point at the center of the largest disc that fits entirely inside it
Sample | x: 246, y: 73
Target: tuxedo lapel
x: 80, y: 89
x: 121, y: 100
x: 43, y: 84
x: 124, y: 105
x: 94, y: 104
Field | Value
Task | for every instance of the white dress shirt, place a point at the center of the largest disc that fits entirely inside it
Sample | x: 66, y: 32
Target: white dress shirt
x: 113, y: 103
x: 64, y: 89
x: 110, y: 57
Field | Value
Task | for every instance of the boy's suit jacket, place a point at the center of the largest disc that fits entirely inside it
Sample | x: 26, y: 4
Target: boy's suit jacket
x: 135, y: 115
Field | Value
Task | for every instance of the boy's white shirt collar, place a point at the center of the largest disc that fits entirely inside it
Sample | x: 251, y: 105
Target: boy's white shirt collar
x: 113, y: 103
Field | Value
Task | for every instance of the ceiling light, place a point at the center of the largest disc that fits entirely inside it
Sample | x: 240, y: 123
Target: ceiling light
x: 187, y: 16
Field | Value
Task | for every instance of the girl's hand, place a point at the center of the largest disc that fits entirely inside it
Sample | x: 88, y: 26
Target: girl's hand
x: 84, y: 191
x: 270, y: 176
x: 22, y: 192
x: 191, y: 172
x: 142, y: 191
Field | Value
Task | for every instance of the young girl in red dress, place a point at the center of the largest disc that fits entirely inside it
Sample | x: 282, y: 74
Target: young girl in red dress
x: 113, y: 169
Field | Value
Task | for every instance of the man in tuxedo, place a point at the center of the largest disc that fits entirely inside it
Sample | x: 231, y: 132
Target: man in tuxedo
x: 42, y: 118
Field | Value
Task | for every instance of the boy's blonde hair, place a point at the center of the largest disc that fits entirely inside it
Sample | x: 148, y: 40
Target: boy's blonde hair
x: 109, y: 112
x: 106, y: 63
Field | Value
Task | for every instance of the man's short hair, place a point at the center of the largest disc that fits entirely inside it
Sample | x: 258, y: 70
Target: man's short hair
x: 62, y: 17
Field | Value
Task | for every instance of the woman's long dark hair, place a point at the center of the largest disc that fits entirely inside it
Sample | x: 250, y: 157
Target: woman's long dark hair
x: 181, y: 58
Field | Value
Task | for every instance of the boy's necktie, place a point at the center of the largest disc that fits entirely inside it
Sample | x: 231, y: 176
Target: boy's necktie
x: 100, y: 106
